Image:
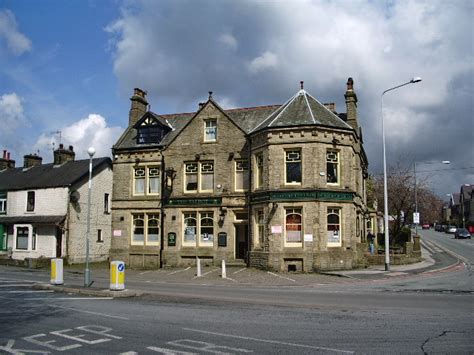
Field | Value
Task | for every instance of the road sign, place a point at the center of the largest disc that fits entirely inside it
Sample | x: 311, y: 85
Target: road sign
x: 416, y: 217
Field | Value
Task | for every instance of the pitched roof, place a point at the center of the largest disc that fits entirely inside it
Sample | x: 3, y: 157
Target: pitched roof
x: 302, y: 110
x: 49, y: 175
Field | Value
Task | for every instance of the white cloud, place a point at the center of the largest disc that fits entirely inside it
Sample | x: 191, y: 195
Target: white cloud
x: 11, y: 115
x: 228, y: 40
x: 267, y: 60
x: 90, y: 131
x: 17, y: 42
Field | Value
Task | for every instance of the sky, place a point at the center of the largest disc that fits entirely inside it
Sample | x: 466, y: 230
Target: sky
x: 68, y: 69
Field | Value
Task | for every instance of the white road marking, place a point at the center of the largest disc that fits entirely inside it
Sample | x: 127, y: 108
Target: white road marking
x: 16, y: 285
x: 271, y: 341
x: 283, y: 277
x: 89, y: 312
x: 145, y: 272
x: 236, y: 272
x: 168, y: 351
x: 175, y: 272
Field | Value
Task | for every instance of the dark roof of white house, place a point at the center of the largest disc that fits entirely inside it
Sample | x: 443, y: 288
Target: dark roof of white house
x: 50, y: 175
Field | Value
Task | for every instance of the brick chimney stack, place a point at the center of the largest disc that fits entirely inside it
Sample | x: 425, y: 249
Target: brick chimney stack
x: 62, y: 155
x: 6, y: 162
x: 351, y: 105
x: 31, y: 160
x: 138, y: 107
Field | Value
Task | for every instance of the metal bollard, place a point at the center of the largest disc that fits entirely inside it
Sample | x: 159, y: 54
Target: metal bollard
x: 224, y: 275
x: 57, y: 272
x: 117, y: 276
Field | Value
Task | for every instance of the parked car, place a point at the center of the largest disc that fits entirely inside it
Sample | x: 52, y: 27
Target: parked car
x: 425, y: 226
x: 443, y: 228
x: 451, y: 229
x: 438, y: 227
x: 462, y: 233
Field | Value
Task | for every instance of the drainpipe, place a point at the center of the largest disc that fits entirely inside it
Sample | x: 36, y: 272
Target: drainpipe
x: 249, y: 200
x: 162, y: 208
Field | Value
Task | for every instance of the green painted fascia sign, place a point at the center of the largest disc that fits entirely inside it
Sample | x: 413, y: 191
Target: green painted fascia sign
x: 194, y: 202
x: 303, y: 196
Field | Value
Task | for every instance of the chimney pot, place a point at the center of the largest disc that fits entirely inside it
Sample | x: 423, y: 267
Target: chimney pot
x: 4, y: 154
x: 61, y: 146
x: 71, y: 148
x: 138, y: 107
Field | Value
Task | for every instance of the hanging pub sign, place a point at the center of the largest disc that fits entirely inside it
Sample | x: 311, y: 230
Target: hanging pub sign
x: 171, y: 239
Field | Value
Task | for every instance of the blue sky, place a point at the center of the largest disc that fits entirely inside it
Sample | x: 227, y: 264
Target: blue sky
x: 71, y: 66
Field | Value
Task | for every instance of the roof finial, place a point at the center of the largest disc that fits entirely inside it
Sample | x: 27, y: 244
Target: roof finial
x: 210, y: 94
x: 301, y: 83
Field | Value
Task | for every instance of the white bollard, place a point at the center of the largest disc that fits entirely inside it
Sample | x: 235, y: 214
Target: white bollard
x: 117, y: 275
x: 198, y: 266
x: 57, y: 272
x: 224, y: 275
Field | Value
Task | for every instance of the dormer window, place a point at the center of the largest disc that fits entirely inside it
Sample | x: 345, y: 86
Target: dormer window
x: 210, y: 130
x: 150, y: 130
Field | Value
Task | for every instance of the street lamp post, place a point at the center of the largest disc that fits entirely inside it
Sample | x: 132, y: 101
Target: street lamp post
x: 385, y: 193
x: 416, y: 192
x: 87, y: 273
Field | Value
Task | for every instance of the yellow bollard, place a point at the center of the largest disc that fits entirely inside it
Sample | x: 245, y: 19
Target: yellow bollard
x: 56, y: 272
x: 117, y: 275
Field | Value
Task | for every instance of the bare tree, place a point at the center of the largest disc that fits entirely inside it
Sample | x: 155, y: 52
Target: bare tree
x: 401, y: 197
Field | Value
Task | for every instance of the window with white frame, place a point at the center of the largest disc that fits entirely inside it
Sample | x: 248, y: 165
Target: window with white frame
x: 146, y: 180
x: 199, y: 176
x: 198, y: 223
x: 259, y: 170
x: 332, y: 167
x: 293, y: 226
x: 145, y: 229
x: 210, y: 130
x: 21, y: 238
x: 241, y: 175
x: 293, y: 172
x: 30, y: 201
x: 334, y: 226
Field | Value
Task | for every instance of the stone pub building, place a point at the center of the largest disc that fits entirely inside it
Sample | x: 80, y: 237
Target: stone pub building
x: 278, y: 187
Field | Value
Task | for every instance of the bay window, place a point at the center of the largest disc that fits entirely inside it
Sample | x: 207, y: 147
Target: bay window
x: 332, y: 167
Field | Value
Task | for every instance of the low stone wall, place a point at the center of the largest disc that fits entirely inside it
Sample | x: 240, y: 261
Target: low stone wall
x: 30, y: 263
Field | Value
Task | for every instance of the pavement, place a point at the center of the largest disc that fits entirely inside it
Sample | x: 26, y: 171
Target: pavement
x: 140, y: 282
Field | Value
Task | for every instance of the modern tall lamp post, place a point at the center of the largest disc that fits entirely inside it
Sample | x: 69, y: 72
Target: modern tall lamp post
x: 87, y: 272
x: 416, y: 192
x: 385, y: 193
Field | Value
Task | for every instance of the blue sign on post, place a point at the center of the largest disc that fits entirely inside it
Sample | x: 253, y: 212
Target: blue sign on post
x: 121, y: 267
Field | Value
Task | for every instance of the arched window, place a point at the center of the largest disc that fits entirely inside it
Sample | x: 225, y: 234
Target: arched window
x: 334, y: 226
x: 153, y: 232
x: 138, y: 228
x: 190, y: 225
x: 207, y: 227
x: 293, y: 225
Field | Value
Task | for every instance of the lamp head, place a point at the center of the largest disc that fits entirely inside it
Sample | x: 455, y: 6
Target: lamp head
x: 91, y: 151
x: 416, y: 79
x: 446, y: 162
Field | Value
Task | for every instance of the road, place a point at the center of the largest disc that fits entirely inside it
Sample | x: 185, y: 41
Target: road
x: 414, y: 314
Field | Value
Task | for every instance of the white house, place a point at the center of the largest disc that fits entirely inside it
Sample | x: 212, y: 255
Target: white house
x: 43, y: 208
